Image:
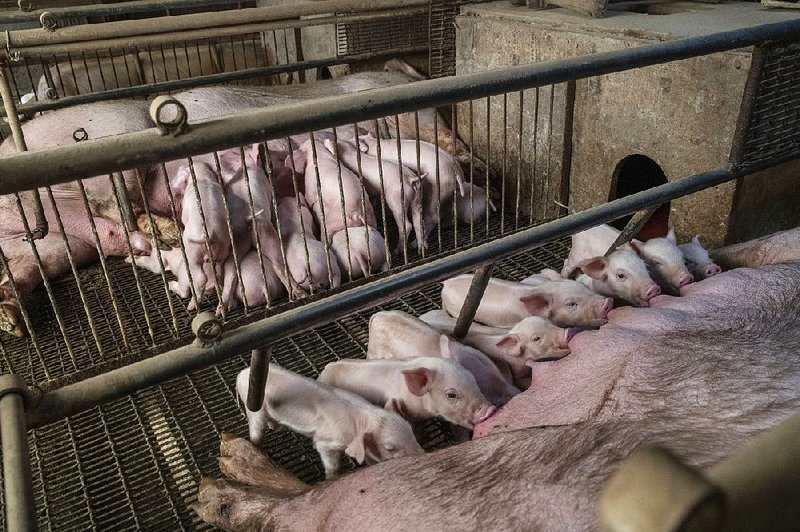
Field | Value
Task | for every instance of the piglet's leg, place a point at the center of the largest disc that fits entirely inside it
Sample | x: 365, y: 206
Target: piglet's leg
x: 331, y: 456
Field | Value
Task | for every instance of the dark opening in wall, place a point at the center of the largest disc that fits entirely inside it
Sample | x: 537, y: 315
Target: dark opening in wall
x: 633, y: 174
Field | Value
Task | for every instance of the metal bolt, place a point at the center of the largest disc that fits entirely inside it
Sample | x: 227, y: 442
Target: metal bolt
x: 79, y: 135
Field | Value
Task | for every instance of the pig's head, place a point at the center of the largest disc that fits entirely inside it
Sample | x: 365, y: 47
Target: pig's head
x: 535, y: 339
x: 698, y: 261
x: 490, y: 381
x: 568, y: 303
x: 665, y: 261
x: 622, y: 275
x: 383, y: 435
x: 447, y: 390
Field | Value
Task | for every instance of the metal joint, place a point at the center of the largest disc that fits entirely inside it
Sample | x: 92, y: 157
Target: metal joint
x: 206, y: 328
x: 174, y: 125
x: 48, y: 21
x: 80, y: 134
x: 24, y: 5
x: 11, y: 383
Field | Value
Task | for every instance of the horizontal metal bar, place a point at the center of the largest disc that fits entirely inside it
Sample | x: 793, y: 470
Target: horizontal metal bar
x: 93, y: 391
x: 123, y: 8
x: 95, y: 157
x: 135, y: 28
x: 210, y: 79
x: 142, y: 41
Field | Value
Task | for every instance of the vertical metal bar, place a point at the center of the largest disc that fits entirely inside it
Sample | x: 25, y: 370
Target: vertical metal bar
x: 454, y: 131
x: 479, y: 283
x: 535, y: 149
x: 519, y: 160
x: 126, y: 208
x: 383, y: 189
x: 10, y: 106
x: 364, y: 199
x: 341, y: 197
x: 255, y: 230
x: 488, y: 150
x: 88, y: 75
x: 566, y: 155
x: 323, y: 227
x: 298, y: 53
x: 549, y: 161
x: 259, y: 371
x: 17, y: 481
x: 270, y: 174
x: 503, y: 168
x: 471, y: 172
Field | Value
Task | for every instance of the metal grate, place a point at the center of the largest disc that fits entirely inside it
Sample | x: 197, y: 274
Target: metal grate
x: 774, y: 126
x: 442, y: 35
x: 379, y: 35
x: 135, y: 463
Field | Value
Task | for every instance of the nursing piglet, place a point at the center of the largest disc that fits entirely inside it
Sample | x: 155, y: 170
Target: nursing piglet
x: 383, y: 178
x: 252, y: 290
x: 698, y: 261
x: 419, y: 388
x: 336, y: 204
x: 307, y: 259
x: 360, y: 251
x: 564, y: 302
x: 335, y: 419
x: 531, y: 340
x: 397, y: 335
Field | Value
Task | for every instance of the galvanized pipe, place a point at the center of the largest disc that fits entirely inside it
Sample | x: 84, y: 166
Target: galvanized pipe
x: 183, y: 23
x: 201, y: 81
x: 100, y: 10
x: 118, y: 383
x: 10, y: 106
x: 147, y: 147
x: 17, y: 483
x: 259, y: 371
x: 479, y: 283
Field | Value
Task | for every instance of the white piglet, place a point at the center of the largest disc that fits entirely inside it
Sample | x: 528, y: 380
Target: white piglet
x: 698, y: 260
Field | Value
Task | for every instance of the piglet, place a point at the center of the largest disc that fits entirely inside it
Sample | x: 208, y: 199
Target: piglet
x: 397, y: 335
x: 252, y: 290
x: 444, y: 176
x: 307, y: 259
x: 419, y: 388
x: 471, y: 207
x: 400, y: 186
x: 565, y: 302
x: 335, y: 419
x: 365, y: 255
x: 531, y: 340
x: 697, y: 260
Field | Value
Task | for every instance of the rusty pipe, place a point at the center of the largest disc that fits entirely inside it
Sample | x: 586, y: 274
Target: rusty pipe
x: 631, y: 229
x: 259, y: 371
x: 479, y: 283
x: 17, y: 483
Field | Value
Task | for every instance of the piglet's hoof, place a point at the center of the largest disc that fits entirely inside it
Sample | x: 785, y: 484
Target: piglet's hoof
x: 10, y: 314
x: 166, y: 232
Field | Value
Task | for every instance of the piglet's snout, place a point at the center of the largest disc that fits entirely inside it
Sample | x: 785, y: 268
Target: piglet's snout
x: 652, y: 292
x: 713, y: 270
x: 605, y: 307
x: 483, y: 413
x: 685, y: 279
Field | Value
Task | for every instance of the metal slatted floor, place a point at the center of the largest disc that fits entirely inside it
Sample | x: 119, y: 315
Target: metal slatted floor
x: 134, y: 464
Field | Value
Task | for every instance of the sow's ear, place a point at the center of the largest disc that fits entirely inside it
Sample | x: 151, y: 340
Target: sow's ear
x: 363, y: 442
x: 595, y: 267
x: 510, y: 345
x: 417, y: 380
x: 537, y: 304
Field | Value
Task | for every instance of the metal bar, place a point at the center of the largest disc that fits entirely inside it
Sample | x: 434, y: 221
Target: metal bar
x: 13, y: 40
x: 200, y: 81
x: 17, y: 482
x: 479, y: 283
x: 298, y: 53
x: 10, y: 106
x: 205, y: 33
x: 259, y: 371
x: 128, y: 216
x: 748, y: 105
x: 99, y: 156
x: 632, y: 228
x: 566, y: 154
x: 118, y: 383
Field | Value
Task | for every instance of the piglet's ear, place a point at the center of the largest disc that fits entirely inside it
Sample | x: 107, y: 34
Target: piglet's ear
x: 551, y: 274
x: 180, y: 180
x: 510, y: 345
x: 417, y: 380
x: 636, y: 246
x: 696, y: 240
x: 594, y: 267
x: 444, y: 346
x: 363, y: 442
x: 671, y: 234
x: 537, y: 304
x: 396, y: 405
x: 329, y: 146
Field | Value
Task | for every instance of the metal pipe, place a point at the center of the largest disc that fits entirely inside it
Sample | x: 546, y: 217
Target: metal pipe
x: 10, y: 106
x: 73, y: 398
x: 17, y: 483
x: 141, y: 148
x: 631, y: 229
x: 204, y: 33
x: 100, y: 10
x: 129, y: 218
x: 479, y: 283
x: 200, y: 81
x: 13, y: 40
x: 259, y: 371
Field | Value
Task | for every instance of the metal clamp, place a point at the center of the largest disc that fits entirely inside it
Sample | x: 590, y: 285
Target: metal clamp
x: 175, y: 125
x: 11, y: 383
x: 13, y: 55
x: 50, y: 93
x: 25, y: 5
x: 79, y: 135
x: 48, y: 21
x: 206, y: 328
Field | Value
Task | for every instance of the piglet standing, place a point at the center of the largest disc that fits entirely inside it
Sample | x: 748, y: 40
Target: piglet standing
x: 307, y: 259
x: 335, y: 419
x: 697, y: 259
x: 532, y: 340
x: 565, y: 302
x: 400, y: 186
x: 397, y: 335
x: 419, y: 388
